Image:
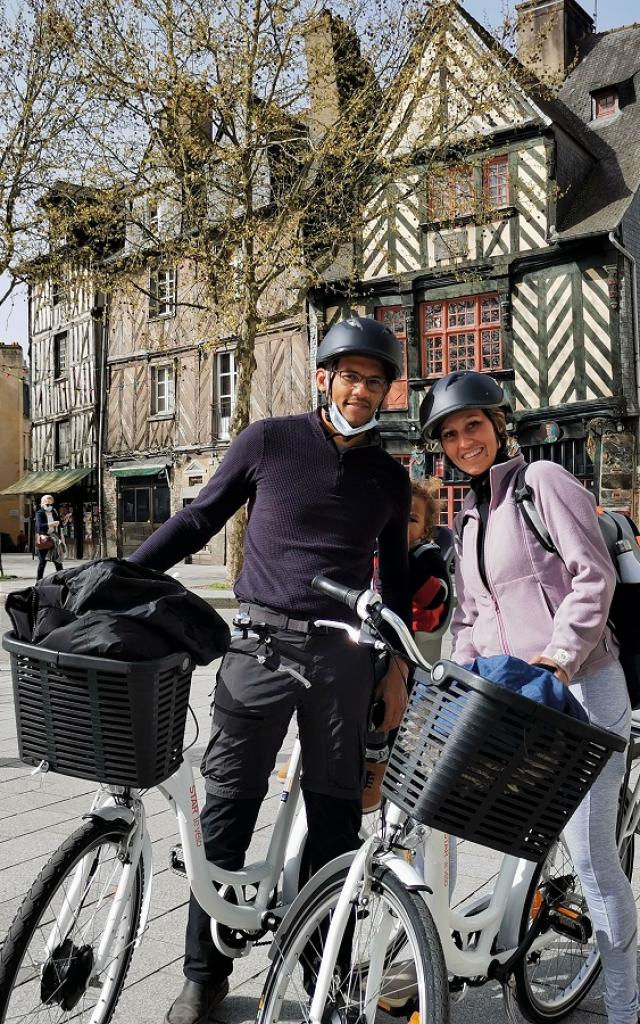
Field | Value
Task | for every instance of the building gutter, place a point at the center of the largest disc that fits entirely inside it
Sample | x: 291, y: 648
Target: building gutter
x: 102, y: 330
x: 624, y: 252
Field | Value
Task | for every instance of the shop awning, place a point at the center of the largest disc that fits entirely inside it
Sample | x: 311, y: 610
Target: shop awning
x: 43, y: 481
x: 141, y: 468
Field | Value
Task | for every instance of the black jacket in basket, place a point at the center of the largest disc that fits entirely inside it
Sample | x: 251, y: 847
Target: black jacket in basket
x: 114, y: 609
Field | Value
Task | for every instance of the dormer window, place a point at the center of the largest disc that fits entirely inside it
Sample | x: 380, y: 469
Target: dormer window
x: 604, y: 103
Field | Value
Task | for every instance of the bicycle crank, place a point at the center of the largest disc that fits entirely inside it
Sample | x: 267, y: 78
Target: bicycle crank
x: 66, y: 974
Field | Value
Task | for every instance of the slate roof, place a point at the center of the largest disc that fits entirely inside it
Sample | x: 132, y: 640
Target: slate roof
x: 607, y: 59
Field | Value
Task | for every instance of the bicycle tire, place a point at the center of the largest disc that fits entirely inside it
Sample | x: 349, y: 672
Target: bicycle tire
x: 300, y: 946
x: 34, y: 985
x: 549, y: 988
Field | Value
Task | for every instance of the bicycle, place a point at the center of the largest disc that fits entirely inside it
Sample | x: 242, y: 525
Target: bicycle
x: 373, y: 932
x: 69, y: 948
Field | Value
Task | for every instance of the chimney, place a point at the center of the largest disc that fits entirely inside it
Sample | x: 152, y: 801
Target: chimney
x: 336, y: 72
x: 548, y: 36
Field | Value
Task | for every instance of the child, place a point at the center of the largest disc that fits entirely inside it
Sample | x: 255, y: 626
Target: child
x: 431, y: 606
x: 428, y: 572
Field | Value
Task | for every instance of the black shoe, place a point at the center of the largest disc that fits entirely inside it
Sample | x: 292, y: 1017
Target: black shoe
x: 195, y: 1001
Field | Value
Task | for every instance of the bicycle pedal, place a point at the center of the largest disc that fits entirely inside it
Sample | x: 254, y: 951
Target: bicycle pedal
x: 176, y: 861
x: 571, y: 923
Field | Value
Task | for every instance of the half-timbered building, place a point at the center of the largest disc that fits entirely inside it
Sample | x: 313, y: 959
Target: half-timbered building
x: 171, y: 393
x: 511, y: 246
x: 67, y: 317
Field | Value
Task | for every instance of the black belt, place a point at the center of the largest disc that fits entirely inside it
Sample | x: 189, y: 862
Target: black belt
x: 261, y: 616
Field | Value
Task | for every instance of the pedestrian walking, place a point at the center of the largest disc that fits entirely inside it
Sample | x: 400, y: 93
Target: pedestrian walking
x: 548, y: 608
x: 320, y: 491
x: 49, y: 541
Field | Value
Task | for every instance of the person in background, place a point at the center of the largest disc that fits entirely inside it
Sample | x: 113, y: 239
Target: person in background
x: 548, y: 608
x: 48, y: 532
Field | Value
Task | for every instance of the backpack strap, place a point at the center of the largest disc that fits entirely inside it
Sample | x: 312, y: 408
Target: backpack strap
x: 524, y: 500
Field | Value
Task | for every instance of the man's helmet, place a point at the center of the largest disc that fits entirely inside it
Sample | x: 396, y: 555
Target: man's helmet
x: 362, y: 336
x: 463, y: 389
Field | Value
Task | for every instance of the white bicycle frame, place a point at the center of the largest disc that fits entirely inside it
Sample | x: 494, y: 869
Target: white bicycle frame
x: 497, y: 915
x: 284, y: 856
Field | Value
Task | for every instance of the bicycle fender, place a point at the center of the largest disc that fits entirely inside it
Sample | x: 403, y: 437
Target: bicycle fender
x: 509, y: 934
x: 343, y: 862
x: 405, y: 872
x: 112, y: 813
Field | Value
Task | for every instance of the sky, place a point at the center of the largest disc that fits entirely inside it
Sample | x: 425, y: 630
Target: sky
x: 608, y: 14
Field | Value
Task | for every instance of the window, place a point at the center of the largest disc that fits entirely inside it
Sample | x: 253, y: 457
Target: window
x: 461, y: 334
x: 162, y: 292
x: 395, y: 319
x: 451, y: 502
x: 62, y: 442
x: 226, y: 382
x: 163, y: 397
x: 136, y: 504
x: 496, y: 183
x: 604, y: 103
x: 58, y: 294
x: 451, y: 193
x: 60, y: 354
x: 153, y: 219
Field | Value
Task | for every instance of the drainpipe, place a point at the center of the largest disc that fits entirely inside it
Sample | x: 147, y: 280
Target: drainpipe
x: 624, y: 252
x: 103, y: 326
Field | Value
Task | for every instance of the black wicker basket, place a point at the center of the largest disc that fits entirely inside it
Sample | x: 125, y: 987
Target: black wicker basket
x: 109, y: 721
x: 489, y: 765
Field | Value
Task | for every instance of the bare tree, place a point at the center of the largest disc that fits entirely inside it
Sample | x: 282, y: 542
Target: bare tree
x: 40, y: 105
x: 266, y: 131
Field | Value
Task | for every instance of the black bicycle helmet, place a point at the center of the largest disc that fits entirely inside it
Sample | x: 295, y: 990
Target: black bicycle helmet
x: 463, y: 389
x: 362, y: 336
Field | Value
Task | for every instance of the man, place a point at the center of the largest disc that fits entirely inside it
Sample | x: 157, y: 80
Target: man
x: 321, y: 491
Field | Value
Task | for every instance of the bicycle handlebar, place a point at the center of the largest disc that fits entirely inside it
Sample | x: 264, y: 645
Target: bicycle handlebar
x: 364, y: 602
x: 346, y: 595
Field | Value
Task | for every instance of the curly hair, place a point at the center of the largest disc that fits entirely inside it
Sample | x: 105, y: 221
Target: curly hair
x: 429, y: 491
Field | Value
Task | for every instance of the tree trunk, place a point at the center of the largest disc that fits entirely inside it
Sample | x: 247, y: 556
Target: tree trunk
x: 246, y: 364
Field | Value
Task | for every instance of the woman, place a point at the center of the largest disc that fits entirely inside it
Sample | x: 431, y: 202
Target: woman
x: 514, y: 597
x: 48, y: 528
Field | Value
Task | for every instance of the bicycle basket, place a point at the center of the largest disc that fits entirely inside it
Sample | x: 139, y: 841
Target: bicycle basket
x: 489, y: 765
x: 108, y: 721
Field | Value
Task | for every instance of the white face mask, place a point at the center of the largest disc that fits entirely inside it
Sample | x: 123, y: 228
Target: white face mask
x: 48, y: 507
x: 344, y: 427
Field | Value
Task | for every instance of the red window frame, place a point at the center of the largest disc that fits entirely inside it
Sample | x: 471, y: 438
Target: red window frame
x: 496, y: 184
x: 395, y: 318
x: 451, y: 500
x: 605, y: 103
x: 452, y: 193
x: 464, y: 333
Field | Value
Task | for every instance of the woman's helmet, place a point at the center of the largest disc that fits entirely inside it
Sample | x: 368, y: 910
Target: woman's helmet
x: 362, y: 336
x: 463, y: 389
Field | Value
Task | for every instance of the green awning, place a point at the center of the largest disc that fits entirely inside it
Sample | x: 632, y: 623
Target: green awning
x: 142, y: 468
x: 44, y: 481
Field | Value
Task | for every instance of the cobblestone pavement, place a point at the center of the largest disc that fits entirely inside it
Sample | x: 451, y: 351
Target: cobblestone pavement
x: 37, y: 813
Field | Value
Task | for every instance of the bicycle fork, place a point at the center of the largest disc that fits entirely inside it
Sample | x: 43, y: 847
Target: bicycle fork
x: 356, y: 892
x: 138, y: 846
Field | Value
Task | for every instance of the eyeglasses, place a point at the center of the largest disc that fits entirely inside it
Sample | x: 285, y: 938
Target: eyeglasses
x: 374, y: 384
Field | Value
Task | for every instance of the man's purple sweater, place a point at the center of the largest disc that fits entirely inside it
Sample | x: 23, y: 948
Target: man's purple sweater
x: 313, y: 508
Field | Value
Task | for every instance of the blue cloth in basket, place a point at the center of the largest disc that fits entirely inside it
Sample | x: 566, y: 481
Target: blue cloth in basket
x: 533, y: 681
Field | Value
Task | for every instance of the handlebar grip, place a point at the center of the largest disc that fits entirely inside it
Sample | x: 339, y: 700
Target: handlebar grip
x: 346, y: 595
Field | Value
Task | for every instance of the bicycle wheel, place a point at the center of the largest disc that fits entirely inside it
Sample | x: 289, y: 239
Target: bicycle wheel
x: 78, y: 884
x: 552, y: 981
x: 413, y: 976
